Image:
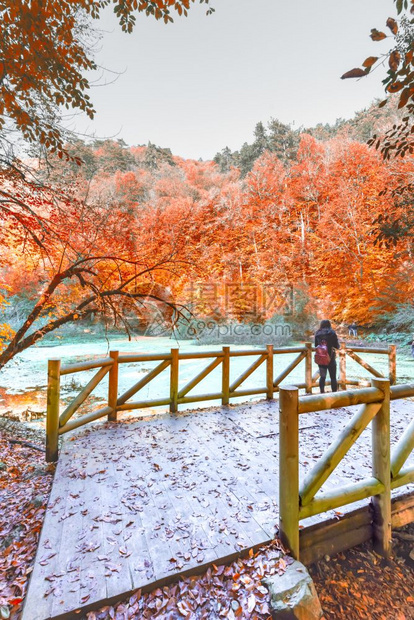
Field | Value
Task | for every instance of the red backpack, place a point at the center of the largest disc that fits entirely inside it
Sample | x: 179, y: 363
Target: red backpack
x: 322, y: 357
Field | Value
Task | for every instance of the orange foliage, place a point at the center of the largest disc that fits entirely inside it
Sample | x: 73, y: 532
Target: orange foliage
x: 309, y: 224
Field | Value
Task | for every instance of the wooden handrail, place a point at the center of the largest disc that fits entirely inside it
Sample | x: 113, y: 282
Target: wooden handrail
x: 198, y: 378
x: 335, y: 400
x: 336, y: 452
x: 142, y: 382
x: 83, y: 395
x: 402, y: 450
x: 81, y: 366
x: 388, y: 471
x: 342, y: 497
x: 246, y: 374
x: 177, y: 396
x: 289, y: 369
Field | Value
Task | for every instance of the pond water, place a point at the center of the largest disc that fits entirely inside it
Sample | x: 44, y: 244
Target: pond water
x: 23, y: 381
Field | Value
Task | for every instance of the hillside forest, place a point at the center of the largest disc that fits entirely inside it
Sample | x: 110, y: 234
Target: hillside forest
x: 314, y: 211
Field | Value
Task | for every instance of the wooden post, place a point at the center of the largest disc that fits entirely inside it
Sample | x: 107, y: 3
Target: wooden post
x: 381, y: 470
x: 113, y: 386
x: 289, y: 468
x: 342, y: 366
x: 225, y: 377
x: 308, y: 368
x: 269, y: 372
x: 174, y: 381
x: 52, y: 415
x: 392, y: 362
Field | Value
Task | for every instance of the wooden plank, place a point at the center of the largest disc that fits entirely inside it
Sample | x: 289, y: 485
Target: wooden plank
x: 107, y: 516
x: 402, y: 510
x: 201, y: 499
x: 140, y: 492
x: 334, y: 535
x: 86, y: 576
x: 336, y: 452
x: 82, y: 396
x: 130, y: 532
x: 240, y: 465
x: 37, y: 604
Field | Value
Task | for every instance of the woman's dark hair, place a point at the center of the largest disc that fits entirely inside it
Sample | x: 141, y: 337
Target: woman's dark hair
x: 325, y: 324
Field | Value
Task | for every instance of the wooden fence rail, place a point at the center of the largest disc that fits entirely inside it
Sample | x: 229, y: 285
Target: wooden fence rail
x: 299, y: 501
x: 60, y: 423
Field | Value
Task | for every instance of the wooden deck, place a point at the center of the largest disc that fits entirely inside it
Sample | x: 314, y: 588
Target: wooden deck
x: 137, y: 503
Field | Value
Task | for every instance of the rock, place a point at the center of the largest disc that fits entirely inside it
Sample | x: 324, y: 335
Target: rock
x: 293, y: 594
x: 412, y: 554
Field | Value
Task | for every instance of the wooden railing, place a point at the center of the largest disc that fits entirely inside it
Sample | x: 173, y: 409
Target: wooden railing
x: 299, y: 501
x: 60, y: 423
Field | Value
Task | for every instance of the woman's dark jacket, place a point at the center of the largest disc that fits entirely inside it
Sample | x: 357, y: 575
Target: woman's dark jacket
x: 331, y: 338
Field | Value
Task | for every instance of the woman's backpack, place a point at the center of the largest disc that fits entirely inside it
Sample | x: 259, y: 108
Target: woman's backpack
x: 322, y: 357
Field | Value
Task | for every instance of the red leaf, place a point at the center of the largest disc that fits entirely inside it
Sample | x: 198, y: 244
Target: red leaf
x: 376, y: 35
x: 392, y: 25
x: 354, y: 73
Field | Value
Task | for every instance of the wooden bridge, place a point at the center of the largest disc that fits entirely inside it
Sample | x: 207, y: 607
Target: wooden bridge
x: 138, y: 503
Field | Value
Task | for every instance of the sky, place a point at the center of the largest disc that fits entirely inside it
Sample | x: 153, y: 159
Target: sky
x: 203, y: 82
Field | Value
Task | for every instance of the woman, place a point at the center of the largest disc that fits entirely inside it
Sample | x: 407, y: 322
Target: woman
x: 326, y: 339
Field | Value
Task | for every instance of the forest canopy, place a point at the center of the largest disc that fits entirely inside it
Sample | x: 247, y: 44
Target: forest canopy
x: 302, y: 216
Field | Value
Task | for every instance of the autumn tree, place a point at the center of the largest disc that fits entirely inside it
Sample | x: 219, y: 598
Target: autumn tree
x: 400, y: 78
x: 46, y: 49
x: 76, y: 273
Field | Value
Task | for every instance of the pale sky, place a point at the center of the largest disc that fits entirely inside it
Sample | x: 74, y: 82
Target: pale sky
x: 202, y: 83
